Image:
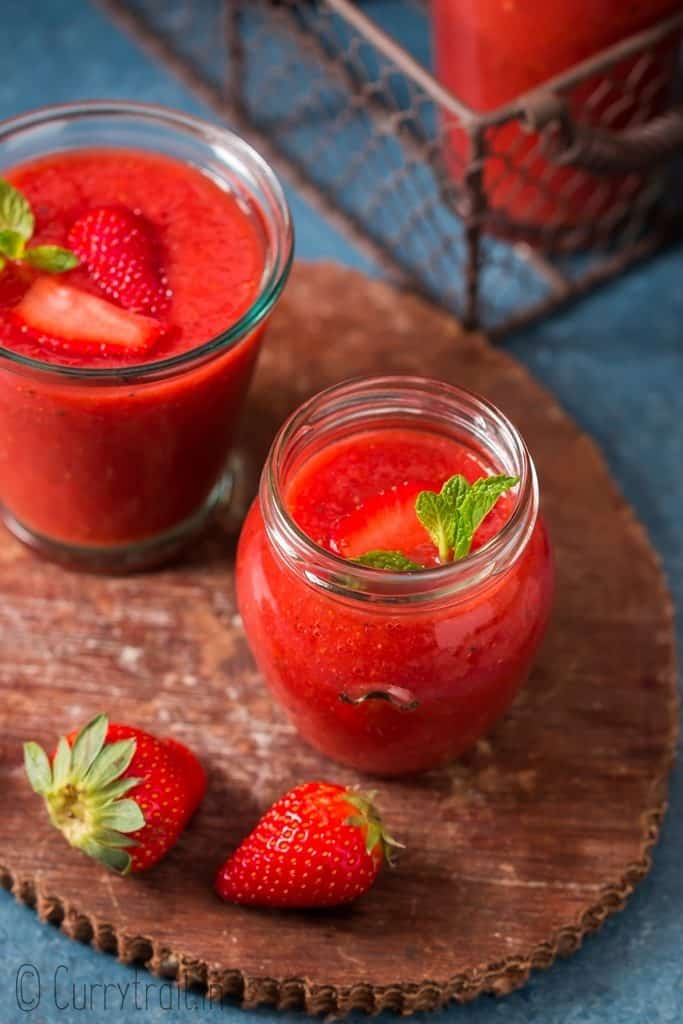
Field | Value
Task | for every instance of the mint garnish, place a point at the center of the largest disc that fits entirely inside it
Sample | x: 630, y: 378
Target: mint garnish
x: 15, y: 212
x: 11, y: 244
x: 476, y: 504
x: 52, y: 258
x: 437, y: 513
x: 450, y: 516
x: 394, y: 560
x: 17, y: 225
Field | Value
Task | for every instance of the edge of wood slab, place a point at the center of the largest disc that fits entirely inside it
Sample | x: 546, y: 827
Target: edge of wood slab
x: 249, y: 991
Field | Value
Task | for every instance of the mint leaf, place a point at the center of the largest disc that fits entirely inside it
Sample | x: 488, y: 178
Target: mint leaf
x: 394, y: 560
x: 17, y: 225
x: 475, y: 506
x: 437, y: 513
x: 434, y: 514
x: 11, y: 244
x: 51, y: 258
x: 15, y: 211
x: 455, y: 490
x: 452, y: 517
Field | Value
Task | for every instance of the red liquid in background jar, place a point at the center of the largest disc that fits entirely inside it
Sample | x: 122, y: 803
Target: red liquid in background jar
x: 492, y: 51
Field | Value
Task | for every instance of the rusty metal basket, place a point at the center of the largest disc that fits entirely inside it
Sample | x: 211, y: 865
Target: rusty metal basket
x: 498, y: 216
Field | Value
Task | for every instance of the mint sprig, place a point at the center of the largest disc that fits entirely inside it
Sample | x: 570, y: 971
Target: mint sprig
x: 11, y: 244
x: 51, y: 258
x: 451, y: 517
x: 16, y: 214
x: 437, y: 513
x: 478, y: 501
x: 394, y: 560
x: 17, y: 225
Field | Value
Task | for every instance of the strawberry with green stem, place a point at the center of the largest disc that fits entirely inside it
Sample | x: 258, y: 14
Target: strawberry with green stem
x: 117, y: 793
x: 320, y: 845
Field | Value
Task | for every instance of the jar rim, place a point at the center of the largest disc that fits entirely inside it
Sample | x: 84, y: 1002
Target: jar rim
x: 351, y: 581
x: 213, y: 135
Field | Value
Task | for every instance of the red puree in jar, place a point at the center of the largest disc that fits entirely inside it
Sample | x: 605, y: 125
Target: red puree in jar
x: 460, y: 660
x: 492, y: 51
x: 105, y: 464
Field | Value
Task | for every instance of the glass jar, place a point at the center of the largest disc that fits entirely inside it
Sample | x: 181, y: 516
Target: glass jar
x: 491, y: 52
x: 394, y: 672
x: 114, y: 469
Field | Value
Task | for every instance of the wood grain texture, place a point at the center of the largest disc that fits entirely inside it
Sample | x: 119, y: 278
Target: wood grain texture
x: 513, y: 854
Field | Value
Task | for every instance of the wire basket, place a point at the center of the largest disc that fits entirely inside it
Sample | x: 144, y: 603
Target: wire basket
x: 501, y: 216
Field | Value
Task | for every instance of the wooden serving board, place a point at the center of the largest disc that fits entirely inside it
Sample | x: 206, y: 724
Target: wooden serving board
x: 513, y: 854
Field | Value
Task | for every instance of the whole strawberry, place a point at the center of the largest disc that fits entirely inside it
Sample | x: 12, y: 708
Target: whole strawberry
x: 119, y: 794
x: 121, y: 251
x: 320, y: 845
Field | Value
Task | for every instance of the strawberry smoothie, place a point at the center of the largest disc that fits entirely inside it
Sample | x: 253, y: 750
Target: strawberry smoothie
x: 392, y: 672
x: 130, y: 323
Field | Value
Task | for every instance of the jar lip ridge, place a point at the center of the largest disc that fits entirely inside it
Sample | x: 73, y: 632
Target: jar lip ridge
x: 324, y: 569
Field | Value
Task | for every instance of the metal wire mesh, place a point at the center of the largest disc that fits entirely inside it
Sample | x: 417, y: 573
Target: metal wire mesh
x: 478, y: 212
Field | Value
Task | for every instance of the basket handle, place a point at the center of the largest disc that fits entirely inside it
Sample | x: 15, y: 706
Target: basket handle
x: 569, y: 144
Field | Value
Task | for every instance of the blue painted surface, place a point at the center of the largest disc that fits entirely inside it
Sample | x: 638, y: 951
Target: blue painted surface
x: 616, y: 362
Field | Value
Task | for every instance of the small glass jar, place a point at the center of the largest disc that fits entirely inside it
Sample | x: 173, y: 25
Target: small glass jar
x: 391, y: 672
x: 115, y: 469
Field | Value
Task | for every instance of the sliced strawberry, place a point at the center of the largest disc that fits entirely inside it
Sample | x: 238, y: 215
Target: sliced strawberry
x: 122, y: 253
x: 386, y: 521
x: 59, y: 313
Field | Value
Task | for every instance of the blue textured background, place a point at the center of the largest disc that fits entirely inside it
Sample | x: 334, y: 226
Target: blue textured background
x: 616, y: 362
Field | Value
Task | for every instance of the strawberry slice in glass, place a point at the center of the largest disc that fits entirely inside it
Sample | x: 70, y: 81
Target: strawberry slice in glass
x: 80, y: 320
x: 386, y: 521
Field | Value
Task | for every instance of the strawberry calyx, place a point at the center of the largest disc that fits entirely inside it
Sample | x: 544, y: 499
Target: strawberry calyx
x: 378, y: 842
x: 85, y: 791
